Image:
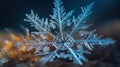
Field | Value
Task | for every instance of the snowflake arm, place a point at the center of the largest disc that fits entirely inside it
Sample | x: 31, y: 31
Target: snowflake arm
x: 73, y: 53
x: 80, y: 21
x: 60, y: 17
x: 94, y: 39
x: 38, y: 23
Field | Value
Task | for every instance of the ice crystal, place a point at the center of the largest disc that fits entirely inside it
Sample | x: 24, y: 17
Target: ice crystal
x: 64, y: 35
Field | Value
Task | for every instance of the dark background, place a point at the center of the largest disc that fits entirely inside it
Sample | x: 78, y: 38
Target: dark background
x: 105, y: 16
x: 12, y: 12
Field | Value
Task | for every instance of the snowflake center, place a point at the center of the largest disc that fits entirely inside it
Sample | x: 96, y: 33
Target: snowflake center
x: 63, y: 40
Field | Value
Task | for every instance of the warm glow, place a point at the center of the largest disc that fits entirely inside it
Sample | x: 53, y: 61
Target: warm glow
x: 14, y: 47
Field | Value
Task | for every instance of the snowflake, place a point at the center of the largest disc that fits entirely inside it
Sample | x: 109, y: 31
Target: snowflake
x: 64, y: 35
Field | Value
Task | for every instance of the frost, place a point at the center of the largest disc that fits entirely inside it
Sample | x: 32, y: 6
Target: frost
x: 64, y: 35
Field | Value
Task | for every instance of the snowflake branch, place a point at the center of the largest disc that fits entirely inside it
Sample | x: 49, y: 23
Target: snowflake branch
x: 89, y: 43
x: 60, y: 16
x: 86, y: 11
x: 37, y: 23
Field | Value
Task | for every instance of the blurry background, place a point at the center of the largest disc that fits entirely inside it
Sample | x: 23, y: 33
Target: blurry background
x: 12, y: 12
x: 105, y: 17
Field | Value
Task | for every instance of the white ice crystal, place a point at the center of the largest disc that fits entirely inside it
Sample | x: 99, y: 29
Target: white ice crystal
x: 70, y: 40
